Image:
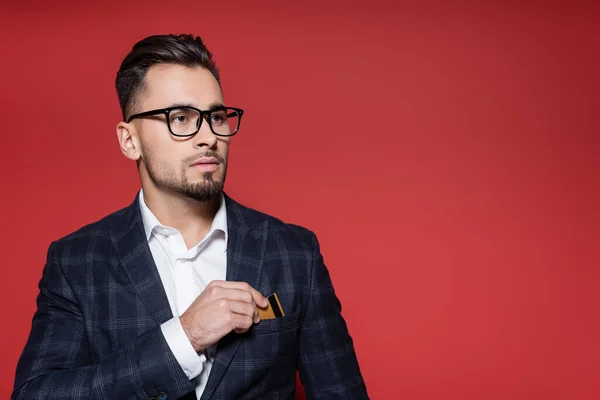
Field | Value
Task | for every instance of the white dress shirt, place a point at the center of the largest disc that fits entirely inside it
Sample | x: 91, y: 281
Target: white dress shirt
x: 184, y: 274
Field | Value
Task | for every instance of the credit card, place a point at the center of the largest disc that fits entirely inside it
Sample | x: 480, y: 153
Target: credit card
x: 273, y: 309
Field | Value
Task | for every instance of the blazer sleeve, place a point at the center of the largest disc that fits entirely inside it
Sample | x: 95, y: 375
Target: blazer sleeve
x: 328, y: 365
x: 57, y: 362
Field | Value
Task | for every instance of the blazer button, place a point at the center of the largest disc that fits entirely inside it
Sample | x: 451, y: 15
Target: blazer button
x: 162, y: 396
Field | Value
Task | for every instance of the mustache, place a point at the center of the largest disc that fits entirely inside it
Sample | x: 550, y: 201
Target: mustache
x: 209, y: 153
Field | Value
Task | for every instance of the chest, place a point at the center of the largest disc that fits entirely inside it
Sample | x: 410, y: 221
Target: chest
x: 183, y: 272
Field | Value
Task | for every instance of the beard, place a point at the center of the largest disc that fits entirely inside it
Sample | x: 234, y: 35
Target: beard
x: 164, y: 175
x: 206, y: 190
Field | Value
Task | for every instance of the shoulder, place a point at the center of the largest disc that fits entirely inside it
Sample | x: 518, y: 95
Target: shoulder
x: 287, y: 233
x: 94, y: 234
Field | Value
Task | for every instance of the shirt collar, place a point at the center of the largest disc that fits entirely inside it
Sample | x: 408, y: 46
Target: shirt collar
x: 150, y: 221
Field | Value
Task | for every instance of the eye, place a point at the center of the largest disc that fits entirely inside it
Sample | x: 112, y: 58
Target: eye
x: 179, y: 119
x: 218, y: 117
x: 183, y: 116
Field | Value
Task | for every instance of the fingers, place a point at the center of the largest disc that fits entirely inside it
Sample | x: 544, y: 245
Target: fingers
x: 238, y: 315
x: 239, y: 308
x: 241, y: 323
x: 257, y: 298
x: 222, y: 307
x: 219, y: 292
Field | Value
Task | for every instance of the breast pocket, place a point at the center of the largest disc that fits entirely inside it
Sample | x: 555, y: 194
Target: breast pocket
x: 286, y: 323
x: 271, y: 346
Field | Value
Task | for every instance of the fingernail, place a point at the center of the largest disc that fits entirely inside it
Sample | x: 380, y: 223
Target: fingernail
x: 265, y: 302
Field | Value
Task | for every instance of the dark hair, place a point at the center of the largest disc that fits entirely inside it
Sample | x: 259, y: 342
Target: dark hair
x: 186, y: 50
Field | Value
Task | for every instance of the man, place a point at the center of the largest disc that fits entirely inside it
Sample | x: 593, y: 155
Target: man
x: 163, y: 298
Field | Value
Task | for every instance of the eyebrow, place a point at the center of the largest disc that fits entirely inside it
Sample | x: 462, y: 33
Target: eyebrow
x: 211, y: 106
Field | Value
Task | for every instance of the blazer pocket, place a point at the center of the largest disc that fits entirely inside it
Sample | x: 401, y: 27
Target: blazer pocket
x: 287, y: 322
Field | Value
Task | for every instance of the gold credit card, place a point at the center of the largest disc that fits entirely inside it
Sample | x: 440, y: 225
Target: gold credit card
x: 273, y: 309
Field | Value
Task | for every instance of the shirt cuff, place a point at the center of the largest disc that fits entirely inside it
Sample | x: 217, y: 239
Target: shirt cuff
x: 191, y: 363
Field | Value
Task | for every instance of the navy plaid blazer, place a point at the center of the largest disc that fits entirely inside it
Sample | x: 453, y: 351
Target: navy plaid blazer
x: 96, y: 332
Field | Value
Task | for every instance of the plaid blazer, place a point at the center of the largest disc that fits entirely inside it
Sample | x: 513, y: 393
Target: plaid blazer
x: 96, y: 332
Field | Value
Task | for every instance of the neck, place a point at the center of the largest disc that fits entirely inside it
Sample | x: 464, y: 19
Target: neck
x: 191, y: 218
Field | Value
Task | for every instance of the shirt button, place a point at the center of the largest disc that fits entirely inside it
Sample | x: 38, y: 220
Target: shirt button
x: 162, y: 396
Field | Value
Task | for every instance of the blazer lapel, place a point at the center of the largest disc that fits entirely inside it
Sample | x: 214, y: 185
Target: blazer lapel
x: 247, y: 239
x: 136, y: 259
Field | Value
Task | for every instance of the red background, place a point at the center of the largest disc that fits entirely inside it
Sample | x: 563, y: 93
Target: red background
x: 445, y: 155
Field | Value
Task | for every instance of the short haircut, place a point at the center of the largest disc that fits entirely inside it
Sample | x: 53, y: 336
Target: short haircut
x: 186, y: 50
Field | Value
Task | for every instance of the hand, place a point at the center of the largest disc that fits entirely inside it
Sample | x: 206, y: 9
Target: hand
x: 222, y: 307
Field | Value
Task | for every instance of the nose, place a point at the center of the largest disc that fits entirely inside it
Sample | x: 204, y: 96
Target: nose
x: 205, y: 138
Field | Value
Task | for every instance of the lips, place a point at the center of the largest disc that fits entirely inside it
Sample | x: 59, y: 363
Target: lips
x: 206, y: 160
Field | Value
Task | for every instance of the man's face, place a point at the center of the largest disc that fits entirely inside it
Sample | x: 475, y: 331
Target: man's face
x: 174, y: 164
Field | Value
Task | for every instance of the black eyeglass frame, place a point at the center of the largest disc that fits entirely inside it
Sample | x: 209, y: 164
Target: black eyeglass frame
x: 203, y: 113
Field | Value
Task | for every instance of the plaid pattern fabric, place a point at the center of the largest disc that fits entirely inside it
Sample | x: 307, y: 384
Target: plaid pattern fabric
x: 96, y: 332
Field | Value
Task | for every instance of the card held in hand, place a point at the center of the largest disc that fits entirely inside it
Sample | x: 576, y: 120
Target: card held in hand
x: 273, y: 309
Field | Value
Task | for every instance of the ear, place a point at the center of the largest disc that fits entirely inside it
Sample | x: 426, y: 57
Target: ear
x: 128, y: 140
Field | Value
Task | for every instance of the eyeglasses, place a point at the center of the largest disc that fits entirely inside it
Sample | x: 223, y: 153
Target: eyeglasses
x: 186, y: 121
